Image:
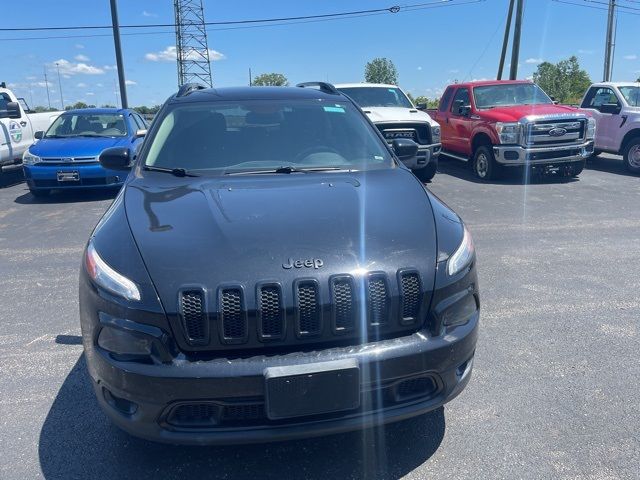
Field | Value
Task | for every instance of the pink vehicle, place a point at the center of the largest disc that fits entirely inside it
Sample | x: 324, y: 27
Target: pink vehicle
x: 616, y: 108
x: 507, y: 124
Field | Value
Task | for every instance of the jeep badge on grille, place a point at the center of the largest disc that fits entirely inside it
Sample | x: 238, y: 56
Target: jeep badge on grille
x: 308, y: 263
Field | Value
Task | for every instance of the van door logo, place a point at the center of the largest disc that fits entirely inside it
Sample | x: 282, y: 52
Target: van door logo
x: 15, y: 130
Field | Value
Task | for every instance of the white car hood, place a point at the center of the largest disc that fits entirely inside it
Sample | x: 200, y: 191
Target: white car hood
x: 397, y: 114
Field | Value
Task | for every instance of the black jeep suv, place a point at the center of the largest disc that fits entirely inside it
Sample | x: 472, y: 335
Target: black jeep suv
x: 270, y: 270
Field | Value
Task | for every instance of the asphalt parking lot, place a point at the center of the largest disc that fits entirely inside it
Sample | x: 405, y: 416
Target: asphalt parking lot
x: 554, y: 393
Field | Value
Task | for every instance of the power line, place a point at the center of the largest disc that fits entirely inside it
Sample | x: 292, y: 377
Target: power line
x: 392, y: 9
x: 403, y: 9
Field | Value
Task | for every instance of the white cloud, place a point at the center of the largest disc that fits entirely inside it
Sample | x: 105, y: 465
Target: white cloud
x: 42, y: 84
x: 534, y: 61
x: 81, y: 85
x: 454, y: 71
x: 419, y: 68
x: 130, y: 82
x: 82, y: 58
x: 66, y: 76
x: 69, y: 68
x: 31, y: 78
x: 586, y: 52
x: 631, y: 57
x: 109, y: 67
x: 79, y: 46
x: 99, y: 85
x: 148, y: 14
x: 169, y: 54
x: 90, y: 93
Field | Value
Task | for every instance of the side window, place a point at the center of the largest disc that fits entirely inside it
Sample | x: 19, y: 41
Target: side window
x: 460, y: 100
x: 4, y: 99
x: 598, y: 96
x: 444, y: 101
x: 142, y: 125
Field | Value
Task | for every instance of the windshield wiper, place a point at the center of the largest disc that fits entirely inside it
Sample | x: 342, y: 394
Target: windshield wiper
x: 178, y: 172
x: 286, y: 169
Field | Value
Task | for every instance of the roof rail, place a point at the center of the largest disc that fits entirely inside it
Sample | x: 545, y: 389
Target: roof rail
x: 322, y: 86
x: 187, y: 88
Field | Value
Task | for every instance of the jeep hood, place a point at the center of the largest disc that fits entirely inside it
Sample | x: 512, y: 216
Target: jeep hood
x: 396, y: 114
x: 516, y: 112
x: 242, y: 229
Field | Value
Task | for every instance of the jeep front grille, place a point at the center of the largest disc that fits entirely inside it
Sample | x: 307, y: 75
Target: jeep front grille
x: 232, y: 315
x: 411, y: 296
x: 193, y: 316
x: 340, y: 310
x: 308, y: 312
x: 270, y: 312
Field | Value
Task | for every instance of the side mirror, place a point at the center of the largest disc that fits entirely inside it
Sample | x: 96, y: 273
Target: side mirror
x: 464, y: 110
x: 116, y: 158
x: 39, y: 135
x: 421, y: 106
x: 13, y: 110
x: 404, y: 148
x: 612, y: 108
x: 140, y: 133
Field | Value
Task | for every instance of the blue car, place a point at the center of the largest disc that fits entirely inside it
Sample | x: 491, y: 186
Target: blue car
x: 66, y: 156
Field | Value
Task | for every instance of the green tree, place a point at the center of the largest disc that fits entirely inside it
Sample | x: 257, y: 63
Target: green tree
x: 270, y: 79
x: 381, y: 70
x: 430, y: 103
x: 638, y: 79
x: 107, y: 106
x: 78, y: 105
x: 40, y: 109
x: 144, y: 110
x: 565, y: 80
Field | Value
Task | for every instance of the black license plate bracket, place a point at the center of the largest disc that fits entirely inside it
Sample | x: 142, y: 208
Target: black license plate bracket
x: 312, y: 389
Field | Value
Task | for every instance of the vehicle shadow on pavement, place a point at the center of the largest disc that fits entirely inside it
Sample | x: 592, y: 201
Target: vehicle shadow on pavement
x: 608, y: 164
x: 78, y: 441
x: 8, y: 179
x: 67, y: 196
x: 509, y: 176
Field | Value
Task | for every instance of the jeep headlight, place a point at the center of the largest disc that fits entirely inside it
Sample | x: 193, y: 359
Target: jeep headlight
x: 29, y: 159
x: 591, y: 128
x: 508, y: 132
x: 435, y: 134
x: 106, y: 277
x: 463, y: 256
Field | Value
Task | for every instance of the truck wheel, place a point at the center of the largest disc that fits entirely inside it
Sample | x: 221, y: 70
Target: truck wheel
x: 484, y: 164
x: 427, y: 173
x: 40, y: 193
x: 632, y: 155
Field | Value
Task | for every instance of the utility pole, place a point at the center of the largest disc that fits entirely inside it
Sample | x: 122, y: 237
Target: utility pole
x: 250, y: 81
x: 505, y: 41
x: 608, y: 52
x: 515, y: 51
x: 60, y: 86
x: 119, y: 63
x: 46, y: 84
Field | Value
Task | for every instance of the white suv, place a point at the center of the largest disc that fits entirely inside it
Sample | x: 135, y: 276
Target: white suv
x: 392, y: 112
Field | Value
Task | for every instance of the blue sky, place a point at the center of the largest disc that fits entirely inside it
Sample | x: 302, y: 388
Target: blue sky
x: 431, y: 47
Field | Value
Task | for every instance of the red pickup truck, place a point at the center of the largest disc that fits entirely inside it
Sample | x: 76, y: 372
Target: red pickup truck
x: 496, y: 124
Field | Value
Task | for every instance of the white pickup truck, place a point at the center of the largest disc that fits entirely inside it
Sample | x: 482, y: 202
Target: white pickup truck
x: 17, y: 128
x: 389, y: 108
x: 616, y: 108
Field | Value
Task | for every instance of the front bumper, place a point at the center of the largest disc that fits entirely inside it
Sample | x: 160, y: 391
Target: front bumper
x: 158, y: 389
x: 516, y: 155
x: 91, y: 175
x: 426, y: 154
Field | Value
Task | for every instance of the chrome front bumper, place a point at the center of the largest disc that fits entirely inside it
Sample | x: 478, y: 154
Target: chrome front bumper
x: 516, y: 155
x: 426, y: 154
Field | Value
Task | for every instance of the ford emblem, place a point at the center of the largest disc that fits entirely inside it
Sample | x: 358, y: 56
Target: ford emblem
x: 557, y: 132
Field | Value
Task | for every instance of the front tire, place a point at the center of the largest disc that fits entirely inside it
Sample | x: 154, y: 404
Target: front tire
x: 427, y: 173
x: 40, y: 193
x: 632, y: 155
x: 484, y: 163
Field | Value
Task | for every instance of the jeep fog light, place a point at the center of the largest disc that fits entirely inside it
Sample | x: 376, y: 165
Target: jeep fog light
x: 107, y: 278
x: 460, y: 312
x: 120, y: 342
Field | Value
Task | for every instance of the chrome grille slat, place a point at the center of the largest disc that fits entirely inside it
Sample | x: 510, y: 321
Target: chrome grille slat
x: 536, y: 133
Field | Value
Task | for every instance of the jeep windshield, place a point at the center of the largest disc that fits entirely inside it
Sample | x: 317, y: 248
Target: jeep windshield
x: 87, y: 125
x: 491, y: 96
x: 266, y: 136
x: 377, y: 96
